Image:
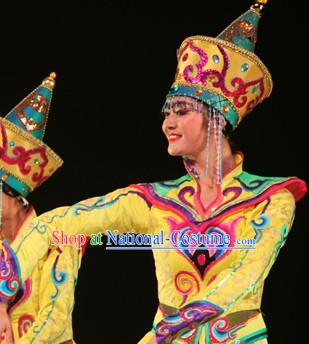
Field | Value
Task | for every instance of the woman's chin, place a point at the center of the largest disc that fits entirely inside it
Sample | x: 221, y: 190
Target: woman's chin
x: 174, y: 152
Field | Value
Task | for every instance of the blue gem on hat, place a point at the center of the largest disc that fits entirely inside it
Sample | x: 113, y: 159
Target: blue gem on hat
x: 255, y: 89
x: 216, y: 58
x: 244, y: 67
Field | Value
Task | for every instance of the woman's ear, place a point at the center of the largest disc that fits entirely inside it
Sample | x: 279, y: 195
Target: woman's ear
x: 224, y: 123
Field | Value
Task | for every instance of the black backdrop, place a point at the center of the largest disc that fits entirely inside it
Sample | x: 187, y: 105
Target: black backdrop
x: 115, y: 61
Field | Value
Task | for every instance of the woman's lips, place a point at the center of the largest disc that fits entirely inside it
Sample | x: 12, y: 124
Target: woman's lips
x: 173, y: 137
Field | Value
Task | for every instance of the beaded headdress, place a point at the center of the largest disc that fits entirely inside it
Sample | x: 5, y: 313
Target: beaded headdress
x: 25, y: 161
x: 224, y: 72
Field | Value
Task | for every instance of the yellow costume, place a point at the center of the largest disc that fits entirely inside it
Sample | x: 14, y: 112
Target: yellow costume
x: 206, y: 296
x: 207, y: 293
x: 42, y: 311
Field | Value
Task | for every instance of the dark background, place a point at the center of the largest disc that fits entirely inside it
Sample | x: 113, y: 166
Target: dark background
x: 115, y: 61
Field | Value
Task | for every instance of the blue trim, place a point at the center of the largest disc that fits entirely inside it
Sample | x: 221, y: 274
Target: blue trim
x: 238, y: 37
x: 29, y: 111
x: 45, y: 92
x: 16, y: 184
x: 12, y: 117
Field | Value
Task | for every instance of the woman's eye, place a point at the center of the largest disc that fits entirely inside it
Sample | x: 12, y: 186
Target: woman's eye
x: 181, y: 112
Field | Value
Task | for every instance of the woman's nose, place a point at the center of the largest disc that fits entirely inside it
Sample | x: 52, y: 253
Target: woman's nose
x: 171, y: 121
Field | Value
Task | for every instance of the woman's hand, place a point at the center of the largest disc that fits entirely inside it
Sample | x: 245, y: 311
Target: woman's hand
x: 5, y: 324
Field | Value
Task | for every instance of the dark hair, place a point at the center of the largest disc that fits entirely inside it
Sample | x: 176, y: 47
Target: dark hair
x: 228, y: 129
x: 228, y: 132
x: 9, y: 191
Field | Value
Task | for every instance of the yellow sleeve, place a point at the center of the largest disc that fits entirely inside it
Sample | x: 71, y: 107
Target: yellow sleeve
x: 271, y: 221
x: 56, y: 298
x: 123, y: 210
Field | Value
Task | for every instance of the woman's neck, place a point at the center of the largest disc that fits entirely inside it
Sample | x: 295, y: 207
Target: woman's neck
x: 207, y: 177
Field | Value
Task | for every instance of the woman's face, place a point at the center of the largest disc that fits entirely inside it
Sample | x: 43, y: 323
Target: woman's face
x: 8, y: 203
x: 185, y: 126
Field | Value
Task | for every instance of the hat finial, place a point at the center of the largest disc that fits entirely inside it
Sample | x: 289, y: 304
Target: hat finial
x: 258, y: 5
x: 50, y: 82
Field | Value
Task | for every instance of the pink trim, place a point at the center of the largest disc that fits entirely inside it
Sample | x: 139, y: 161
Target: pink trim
x: 239, y: 86
x: 297, y: 188
x: 157, y: 203
x: 197, y: 197
x: 205, y: 211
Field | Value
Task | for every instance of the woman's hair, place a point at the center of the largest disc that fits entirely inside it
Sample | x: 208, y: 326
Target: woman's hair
x: 9, y: 191
x: 228, y: 130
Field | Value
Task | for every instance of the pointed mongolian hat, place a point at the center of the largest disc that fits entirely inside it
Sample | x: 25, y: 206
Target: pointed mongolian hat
x: 224, y: 72
x: 25, y: 161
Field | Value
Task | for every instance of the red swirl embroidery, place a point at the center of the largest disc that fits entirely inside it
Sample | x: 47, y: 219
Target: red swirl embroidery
x: 186, y: 283
x: 240, y: 87
x: 25, y: 321
x: 21, y: 156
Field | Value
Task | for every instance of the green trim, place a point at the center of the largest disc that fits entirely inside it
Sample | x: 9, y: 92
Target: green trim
x: 207, y: 335
x: 198, y: 334
x: 257, y: 184
x: 263, y: 335
x: 153, y: 329
x: 16, y: 184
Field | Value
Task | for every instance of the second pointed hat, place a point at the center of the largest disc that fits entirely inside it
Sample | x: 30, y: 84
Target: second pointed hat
x: 25, y: 161
x: 224, y: 72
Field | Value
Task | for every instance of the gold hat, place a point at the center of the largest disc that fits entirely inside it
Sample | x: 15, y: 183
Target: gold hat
x: 224, y: 72
x: 25, y: 161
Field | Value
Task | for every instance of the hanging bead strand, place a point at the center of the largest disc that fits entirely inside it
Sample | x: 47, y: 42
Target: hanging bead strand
x: 210, y: 119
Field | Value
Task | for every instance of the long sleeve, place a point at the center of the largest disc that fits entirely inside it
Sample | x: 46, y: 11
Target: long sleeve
x: 271, y: 220
x: 124, y: 209
x: 56, y: 298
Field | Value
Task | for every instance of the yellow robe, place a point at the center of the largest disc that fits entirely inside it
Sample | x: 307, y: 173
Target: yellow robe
x: 43, y: 311
x: 205, y: 296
